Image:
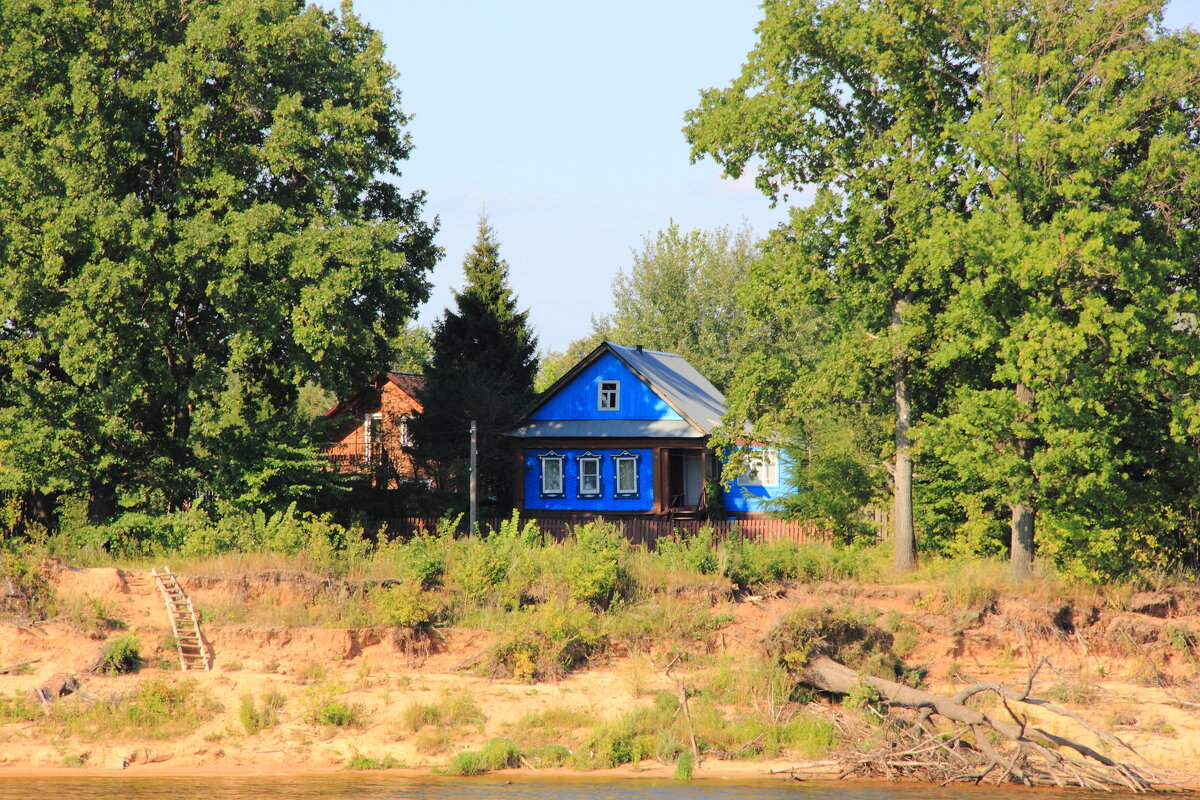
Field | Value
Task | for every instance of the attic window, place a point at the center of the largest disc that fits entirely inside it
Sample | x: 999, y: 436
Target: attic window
x: 609, y: 398
x: 552, y: 474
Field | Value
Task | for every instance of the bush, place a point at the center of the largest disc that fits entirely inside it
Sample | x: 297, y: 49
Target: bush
x: 404, y: 606
x: 546, y: 643
x: 255, y: 718
x: 359, y: 761
x: 121, y: 657
x: 157, y: 709
x: 496, y: 754
x: 596, y: 571
x: 31, y: 597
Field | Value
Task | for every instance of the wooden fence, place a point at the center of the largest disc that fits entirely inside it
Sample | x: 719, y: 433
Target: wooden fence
x: 645, y: 531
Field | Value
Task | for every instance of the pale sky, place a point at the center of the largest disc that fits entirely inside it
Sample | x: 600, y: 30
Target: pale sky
x: 560, y: 119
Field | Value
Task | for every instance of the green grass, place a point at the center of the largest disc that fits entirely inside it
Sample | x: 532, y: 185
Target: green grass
x: 157, y: 709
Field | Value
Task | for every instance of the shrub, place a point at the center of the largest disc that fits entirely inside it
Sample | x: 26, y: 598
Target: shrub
x: 121, y: 657
x: 497, y: 753
x: 545, y: 643
x: 156, y: 709
x: 30, y: 596
x: 685, y: 765
x: 255, y: 718
x: 404, y: 606
x: 360, y: 761
x: 595, y: 569
x: 451, y: 710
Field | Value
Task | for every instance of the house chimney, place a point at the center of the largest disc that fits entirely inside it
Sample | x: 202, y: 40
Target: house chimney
x: 639, y: 349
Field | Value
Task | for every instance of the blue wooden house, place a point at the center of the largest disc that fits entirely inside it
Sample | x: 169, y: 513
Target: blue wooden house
x: 625, y: 434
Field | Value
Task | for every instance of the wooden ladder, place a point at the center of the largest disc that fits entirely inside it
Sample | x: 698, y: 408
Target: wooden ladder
x: 193, y: 650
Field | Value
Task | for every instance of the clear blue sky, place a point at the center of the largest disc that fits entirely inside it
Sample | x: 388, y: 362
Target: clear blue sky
x: 560, y: 119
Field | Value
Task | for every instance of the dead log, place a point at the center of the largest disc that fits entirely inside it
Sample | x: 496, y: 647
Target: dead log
x: 1034, y: 756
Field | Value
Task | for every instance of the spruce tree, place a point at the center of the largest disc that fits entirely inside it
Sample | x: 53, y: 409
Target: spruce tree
x: 482, y: 369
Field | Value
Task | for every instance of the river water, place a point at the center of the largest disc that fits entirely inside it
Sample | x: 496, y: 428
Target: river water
x: 355, y: 787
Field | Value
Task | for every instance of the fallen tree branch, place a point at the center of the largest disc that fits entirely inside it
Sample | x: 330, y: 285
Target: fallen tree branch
x: 1032, y: 756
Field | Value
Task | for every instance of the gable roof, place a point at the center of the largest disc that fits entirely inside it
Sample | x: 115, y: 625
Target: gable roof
x: 408, y: 382
x: 668, y: 375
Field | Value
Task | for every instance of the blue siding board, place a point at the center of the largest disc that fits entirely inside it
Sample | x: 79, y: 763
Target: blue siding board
x: 740, y: 499
x: 578, y: 399
x: 572, y: 502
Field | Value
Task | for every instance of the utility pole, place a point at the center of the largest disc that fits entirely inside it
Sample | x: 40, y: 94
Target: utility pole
x: 474, y: 480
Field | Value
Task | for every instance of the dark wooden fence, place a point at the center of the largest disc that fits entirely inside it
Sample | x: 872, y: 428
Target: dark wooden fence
x: 645, y: 531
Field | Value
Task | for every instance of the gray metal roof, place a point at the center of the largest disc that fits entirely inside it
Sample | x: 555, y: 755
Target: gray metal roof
x: 668, y: 375
x: 607, y: 428
x: 677, y: 382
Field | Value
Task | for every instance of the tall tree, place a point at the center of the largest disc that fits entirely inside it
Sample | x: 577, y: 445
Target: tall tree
x: 853, y: 97
x: 1007, y: 198
x: 1079, y: 269
x: 679, y: 296
x: 482, y: 369
x: 194, y: 222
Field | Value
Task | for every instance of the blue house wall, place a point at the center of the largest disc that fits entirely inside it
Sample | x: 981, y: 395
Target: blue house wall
x: 571, y: 501
x: 578, y: 399
x: 742, y: 499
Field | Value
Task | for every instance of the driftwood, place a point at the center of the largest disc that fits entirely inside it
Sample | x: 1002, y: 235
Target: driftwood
x: 979, y: 746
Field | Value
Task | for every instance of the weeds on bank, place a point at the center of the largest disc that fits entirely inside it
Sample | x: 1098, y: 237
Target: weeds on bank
x: 258, y: 716
x: 452, y: 710
x: 157, y: 709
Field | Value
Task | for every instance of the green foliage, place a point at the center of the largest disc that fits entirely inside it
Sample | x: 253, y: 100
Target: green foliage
x: 679, y: 297
x: 546, y: 643
x: 482, y: 369
x: 31, y: 596
x: 157, y: 709
x: 18, y: 708
x: 255, y: 717
x: 360, y: 762
x: 216, y: 207
x: 595, y: 569
x: 326, y: 708
x: 451, y: 711
x: 685, y: 766
x: 1004, y: 204
x: 844, y: 635
x: 406, y: 606
x: 121, y: 656
x: 498, y: 753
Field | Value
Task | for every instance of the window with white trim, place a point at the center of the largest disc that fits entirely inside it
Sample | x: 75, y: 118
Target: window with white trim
x: 763, y: 469
x: 552, y: 474
x: 589, y: 474
x: 609, y: 396
x: 372, y: 435
x: 406, y: 439
x: 625, y: 466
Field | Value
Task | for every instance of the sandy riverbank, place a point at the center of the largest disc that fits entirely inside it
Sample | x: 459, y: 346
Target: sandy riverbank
x: 383, y: 680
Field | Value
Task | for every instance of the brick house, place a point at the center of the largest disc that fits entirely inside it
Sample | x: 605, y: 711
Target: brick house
x: 371, y: 432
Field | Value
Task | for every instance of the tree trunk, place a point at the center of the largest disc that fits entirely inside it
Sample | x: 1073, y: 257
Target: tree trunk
x: 1021, y: 559
x: 905, y: 541
x: 1022, y: 527
x: 102, y: 501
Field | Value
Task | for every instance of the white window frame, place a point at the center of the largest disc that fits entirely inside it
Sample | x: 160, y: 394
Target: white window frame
x: 763, y: 469
x: 618, y: 459
x: 591, y: 459
x: 372, y: 430
x: 608, y: 395
x: 406, y: 439
x: 552, y: 491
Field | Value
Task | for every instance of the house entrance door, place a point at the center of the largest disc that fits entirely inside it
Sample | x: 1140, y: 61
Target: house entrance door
x: 686, y: 479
